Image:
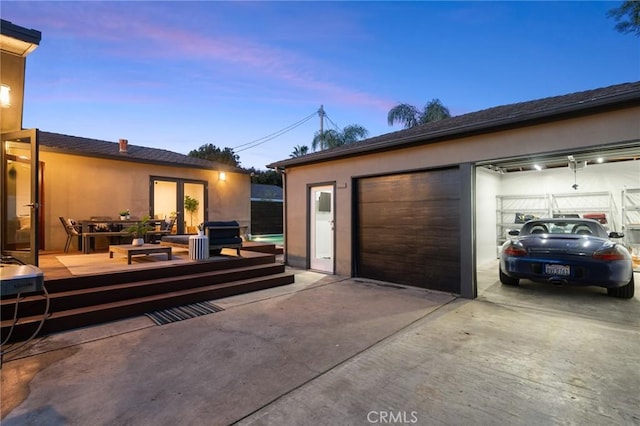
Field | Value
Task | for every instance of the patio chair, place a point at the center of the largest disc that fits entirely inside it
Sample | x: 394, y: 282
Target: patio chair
x: 72, y: 230
x: 165, y: 229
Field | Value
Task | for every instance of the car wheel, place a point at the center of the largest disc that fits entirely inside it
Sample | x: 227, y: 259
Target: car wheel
x: 507, y: 280
x: 624, y: 292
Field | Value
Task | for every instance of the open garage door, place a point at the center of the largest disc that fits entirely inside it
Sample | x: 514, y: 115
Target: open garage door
x: 408, y: 229
x: 601, y: 183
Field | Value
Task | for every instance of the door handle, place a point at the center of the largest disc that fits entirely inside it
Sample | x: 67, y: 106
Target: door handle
x: 33, y: 205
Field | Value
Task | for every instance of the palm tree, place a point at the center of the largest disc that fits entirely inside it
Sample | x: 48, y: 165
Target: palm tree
x: 353, y: 133
x: 299, y: 151
x: 332, y: 138
x: 409, y: 116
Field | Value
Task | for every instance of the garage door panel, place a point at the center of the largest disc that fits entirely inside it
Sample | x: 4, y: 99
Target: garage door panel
x: 420, y: 215
x: 408, y: 229
x: 434, y: 274
x: 410, y: 187
x: 409, y: 237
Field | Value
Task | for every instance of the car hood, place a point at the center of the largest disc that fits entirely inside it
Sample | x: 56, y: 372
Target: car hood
x: 563, y: 244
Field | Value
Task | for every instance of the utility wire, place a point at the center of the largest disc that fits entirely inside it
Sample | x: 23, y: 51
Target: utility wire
x: 274, y: 135
x: 335, y: 126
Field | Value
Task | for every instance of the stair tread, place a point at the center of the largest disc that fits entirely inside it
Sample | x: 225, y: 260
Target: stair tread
x: 141, y: 283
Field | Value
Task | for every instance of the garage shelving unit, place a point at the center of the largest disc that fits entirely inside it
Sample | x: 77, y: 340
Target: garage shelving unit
x: 507, y: 206
x: 586, y: 202
x: 546, y: 205
x: 631, y: 218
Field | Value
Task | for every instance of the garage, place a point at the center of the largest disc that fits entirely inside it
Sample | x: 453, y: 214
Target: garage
x: 596, y: 183
x: 418, y: 212
x: 430, y: 206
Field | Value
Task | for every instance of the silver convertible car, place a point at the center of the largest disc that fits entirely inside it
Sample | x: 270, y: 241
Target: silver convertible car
x: 568, y: 251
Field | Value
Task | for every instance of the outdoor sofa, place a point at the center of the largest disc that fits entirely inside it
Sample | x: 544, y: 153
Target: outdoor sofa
x: 222, y: 234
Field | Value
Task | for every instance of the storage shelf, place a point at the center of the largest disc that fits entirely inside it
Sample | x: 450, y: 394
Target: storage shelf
x: 631, y: 216
x: 547, y: 205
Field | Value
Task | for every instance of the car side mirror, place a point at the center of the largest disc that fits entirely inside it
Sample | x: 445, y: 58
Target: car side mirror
x: 514, y: 232
x: 616, y: 235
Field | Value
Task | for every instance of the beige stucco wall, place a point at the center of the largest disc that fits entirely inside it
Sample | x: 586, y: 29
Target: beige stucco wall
x: 81, y: 187
x: 12, y: 74
x: 572, y: 134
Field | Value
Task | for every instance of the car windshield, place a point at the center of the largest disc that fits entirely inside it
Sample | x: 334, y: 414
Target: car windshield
x: 576, y: 227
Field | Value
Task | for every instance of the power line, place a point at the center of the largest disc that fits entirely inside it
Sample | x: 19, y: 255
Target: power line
x: 335, y: 126
x: 274, y: 135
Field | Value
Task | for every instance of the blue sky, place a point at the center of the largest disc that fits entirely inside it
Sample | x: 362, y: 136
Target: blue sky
x: 177, y: 75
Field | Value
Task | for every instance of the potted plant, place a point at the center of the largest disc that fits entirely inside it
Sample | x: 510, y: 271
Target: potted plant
x: 139, y: 230
x: 191, y: 205
x: 125, y: 214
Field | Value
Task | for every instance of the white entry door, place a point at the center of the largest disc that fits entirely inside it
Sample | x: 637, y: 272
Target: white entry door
x: 322, y: 228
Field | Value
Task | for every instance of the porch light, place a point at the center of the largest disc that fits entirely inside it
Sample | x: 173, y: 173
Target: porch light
x: 222, y: 176
x: 5, y: 96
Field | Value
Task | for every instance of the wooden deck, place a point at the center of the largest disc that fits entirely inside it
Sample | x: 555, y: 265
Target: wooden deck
x: 92, y: 297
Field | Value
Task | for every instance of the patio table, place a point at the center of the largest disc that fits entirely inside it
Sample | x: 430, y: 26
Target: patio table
x: 131, y: 250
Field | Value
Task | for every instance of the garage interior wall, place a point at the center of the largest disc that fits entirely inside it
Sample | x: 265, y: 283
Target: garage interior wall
x: 606, y: 177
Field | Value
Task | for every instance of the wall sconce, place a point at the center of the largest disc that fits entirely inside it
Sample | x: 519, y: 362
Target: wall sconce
x: 5, y: 96
x: 222, y: 176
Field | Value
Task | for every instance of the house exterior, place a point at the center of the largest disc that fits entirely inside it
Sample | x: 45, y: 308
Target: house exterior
x: 16, y: 43
x: 46, y: 175
x: 83, y: 178
x: 18, y: 235
x: 418, y: 206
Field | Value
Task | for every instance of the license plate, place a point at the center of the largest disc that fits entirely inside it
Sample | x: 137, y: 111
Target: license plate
x: 562, y: 270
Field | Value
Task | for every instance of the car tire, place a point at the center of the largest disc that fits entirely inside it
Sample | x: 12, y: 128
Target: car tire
x: 507, y: 280
x: 624, y: 292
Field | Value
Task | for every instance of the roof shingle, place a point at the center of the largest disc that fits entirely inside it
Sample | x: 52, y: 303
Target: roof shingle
x: 75, y: 145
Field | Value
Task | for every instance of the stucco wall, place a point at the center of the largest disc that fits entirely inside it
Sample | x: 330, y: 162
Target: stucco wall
x: 81, y: 187
x: 12, y: 74
x: 571, y: 134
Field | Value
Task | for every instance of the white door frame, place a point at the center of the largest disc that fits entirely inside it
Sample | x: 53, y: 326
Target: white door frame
x: 322, y: 228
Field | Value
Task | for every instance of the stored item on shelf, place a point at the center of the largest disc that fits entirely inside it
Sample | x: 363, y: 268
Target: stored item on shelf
x: 522, y: 218
x: 600, y: 217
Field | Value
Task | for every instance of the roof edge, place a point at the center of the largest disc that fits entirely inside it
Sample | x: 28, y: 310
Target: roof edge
x: 614, y: 101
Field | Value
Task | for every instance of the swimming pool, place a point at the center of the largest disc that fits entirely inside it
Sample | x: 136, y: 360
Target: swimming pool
x: 277, y: 239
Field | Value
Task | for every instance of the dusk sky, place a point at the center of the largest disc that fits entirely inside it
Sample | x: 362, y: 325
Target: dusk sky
x: 178, y: 75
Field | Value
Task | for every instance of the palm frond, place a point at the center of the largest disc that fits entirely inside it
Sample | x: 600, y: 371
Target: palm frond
x: 404, y: 114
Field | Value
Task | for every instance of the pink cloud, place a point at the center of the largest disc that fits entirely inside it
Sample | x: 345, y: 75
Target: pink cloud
x: 143, y: 36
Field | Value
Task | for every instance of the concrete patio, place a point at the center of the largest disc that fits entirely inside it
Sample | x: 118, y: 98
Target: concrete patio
x: 333, y: 350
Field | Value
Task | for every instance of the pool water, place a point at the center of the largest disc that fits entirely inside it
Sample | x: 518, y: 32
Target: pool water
x: 277, y: 239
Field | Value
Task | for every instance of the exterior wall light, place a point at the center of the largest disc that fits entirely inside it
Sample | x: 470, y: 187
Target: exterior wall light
x: 222, y: 176
x: 5, y: 96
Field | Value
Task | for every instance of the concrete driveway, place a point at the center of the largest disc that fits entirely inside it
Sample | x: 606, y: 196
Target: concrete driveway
x: 334, y: 351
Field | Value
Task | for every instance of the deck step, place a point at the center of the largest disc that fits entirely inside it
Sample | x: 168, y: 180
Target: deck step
x: 88, y: 296
x: 231, y: 262
x: 83, y: 306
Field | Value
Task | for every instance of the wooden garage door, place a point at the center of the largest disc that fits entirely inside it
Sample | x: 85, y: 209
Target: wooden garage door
x: 408, y: 229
